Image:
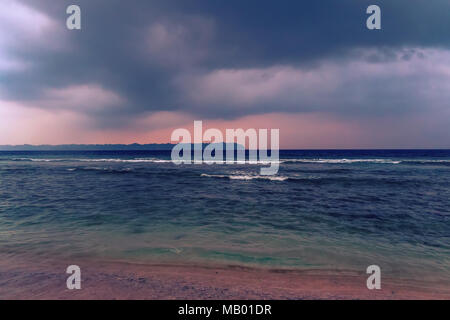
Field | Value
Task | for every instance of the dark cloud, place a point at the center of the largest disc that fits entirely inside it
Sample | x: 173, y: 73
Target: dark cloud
x: 157, y: 55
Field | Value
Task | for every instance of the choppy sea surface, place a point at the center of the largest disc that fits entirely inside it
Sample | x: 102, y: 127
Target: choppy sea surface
x: 330, y: 210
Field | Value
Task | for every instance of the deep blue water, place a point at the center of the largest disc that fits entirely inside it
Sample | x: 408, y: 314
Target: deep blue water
x: 331, y: 210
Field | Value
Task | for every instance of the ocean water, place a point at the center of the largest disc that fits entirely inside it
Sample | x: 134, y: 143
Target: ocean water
x: 326, y: 210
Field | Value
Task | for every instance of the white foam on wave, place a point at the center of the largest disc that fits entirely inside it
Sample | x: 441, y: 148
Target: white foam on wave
x: 385, y: 161
x: 93, y: 160
x: 144, y: 160
x: 38, y: 160
x: 425, y: 161
x: 238, y: 162
x: 123, y: 160
x: 245, y: 177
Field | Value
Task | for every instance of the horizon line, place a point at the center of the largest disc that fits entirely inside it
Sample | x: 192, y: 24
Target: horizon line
x: 167, y: 144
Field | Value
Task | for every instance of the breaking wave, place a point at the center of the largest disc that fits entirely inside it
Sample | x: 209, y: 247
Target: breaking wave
x: 245, y: 177
x: 444, y: 162
x: 385, y: 161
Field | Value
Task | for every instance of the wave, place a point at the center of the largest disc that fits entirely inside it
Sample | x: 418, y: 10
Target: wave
x: 258, y: 162
x: 444, y: 162
x: 36, y: 160
x: 338, y: 161
x: 154, y: 160
x: 380, y: 161
x: 101, y: 169
x: 321, y: 180
x: 143, y: 160
x: 245, y: 177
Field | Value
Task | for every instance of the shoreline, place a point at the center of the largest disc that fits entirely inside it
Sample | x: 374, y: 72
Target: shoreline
x: 121, y: 280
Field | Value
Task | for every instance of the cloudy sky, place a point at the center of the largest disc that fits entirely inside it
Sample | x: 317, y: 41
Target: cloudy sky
x: 139, y: 69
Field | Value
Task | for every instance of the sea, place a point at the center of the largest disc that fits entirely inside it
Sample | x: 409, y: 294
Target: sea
x: 335, y: 210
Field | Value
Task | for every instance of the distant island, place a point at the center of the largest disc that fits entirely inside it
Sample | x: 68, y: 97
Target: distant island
x: 92, y: 147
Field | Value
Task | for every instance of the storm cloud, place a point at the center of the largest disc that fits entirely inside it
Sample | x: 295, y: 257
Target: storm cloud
x: 227, y: 59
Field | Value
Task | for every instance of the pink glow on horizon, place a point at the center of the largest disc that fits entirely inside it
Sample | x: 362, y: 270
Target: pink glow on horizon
x: 35, y: 126
x: 21, y: 124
